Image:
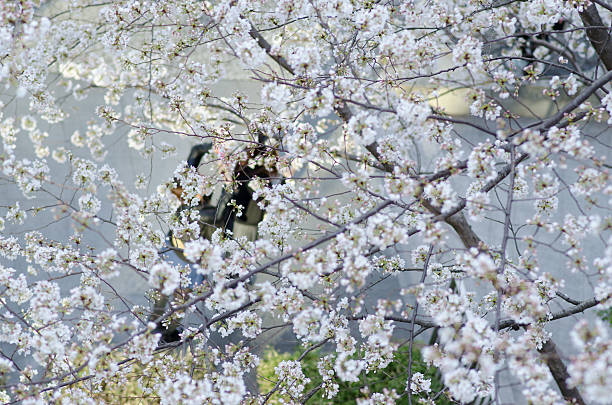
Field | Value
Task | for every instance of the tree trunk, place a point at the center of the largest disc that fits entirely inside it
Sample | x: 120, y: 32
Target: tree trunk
x: 600, y: 37
x: 559, y: 372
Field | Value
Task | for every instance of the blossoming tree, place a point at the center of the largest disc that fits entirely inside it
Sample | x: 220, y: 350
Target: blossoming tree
x: 479, y: 216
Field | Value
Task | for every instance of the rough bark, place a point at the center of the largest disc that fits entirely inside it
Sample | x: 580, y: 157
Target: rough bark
x: 557, y: 368
x: 599, y: 36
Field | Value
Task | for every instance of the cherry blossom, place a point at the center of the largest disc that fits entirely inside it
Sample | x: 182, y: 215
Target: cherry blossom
x: 430, y: 176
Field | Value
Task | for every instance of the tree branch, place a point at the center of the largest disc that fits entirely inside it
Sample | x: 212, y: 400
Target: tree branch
x: 575, y: 103
x: 599, y: 37
x: 265, y: 45
x: 557, y: 368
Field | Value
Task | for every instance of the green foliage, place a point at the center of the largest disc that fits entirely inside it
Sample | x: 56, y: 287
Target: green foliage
x: 393, y: 377
x: 606, y: 315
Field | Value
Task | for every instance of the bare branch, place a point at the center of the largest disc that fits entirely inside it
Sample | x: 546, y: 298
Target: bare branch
x: 600, y: 37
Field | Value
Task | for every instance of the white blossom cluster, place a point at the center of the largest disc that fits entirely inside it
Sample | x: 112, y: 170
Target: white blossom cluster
x: 429, y: 170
